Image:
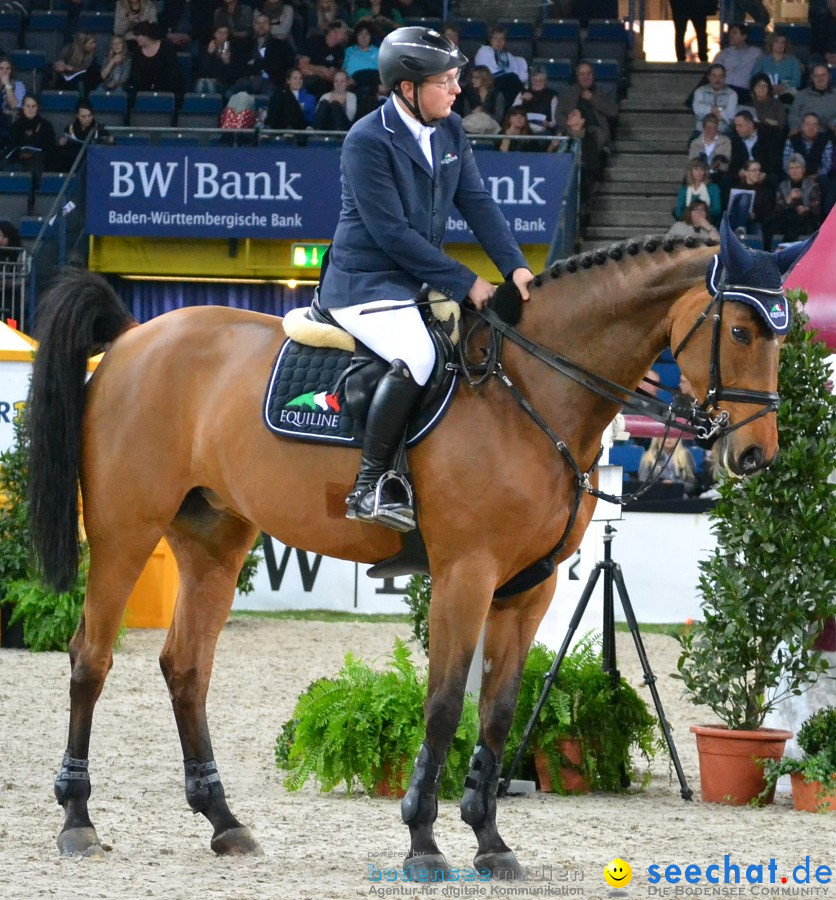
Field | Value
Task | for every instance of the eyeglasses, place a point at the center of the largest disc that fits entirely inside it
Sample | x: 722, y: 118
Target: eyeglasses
x: 448, y: 84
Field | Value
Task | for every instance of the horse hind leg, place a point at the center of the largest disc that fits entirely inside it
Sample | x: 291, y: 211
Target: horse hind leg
x: 210, y: 547
x: 112, y: 573
x: 509, y: 631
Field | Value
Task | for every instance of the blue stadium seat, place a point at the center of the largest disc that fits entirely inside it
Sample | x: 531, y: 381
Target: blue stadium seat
x: 179, y: 139
x: 133, y: 137
x: 799, y: 36
x: 10, y: 31
x: 668, y: 373
x: 559, y: 40
x: 46, y: 31
x: 606, y: 69
x: 200, y: 111
x: 628, y: 456
x: 58, y: 107
x: 473, y: 33
x: 606, y: 40
x: 520, y: 37
x: 424, y: 22
x: 153, y: 109
x: 558, y: 71
x: 699, y: 456
x: 15, y: 195
x: 29, y: 67
x: 109, y: 108
x: 49, y: 188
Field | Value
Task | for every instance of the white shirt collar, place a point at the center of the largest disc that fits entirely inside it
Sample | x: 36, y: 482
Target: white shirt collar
x: 421, y: 133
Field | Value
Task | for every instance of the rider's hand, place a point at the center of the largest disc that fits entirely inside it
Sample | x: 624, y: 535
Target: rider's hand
x: 522, y: 278
x: 481, y: 292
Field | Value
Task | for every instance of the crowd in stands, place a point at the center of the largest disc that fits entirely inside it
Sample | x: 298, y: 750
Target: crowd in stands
x: 763, y: 144
x: 287, y: 65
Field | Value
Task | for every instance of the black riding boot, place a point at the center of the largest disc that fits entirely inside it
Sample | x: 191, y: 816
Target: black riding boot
x: 385, y: 500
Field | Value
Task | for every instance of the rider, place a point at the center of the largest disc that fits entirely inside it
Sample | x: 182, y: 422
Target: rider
x: 402, y: 166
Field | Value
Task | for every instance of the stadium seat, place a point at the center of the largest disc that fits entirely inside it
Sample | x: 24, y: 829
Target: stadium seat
x: 46, y: 31
x: 558, y: 71
x: 799, y: 37
x: 520, y: 37
x: 15, y: 195
x: 153, y: 109
x: 179, y: 139
x: 668, y: 374
x: 58, y: 107
x: 559, y: 40
x: 110, y: 108
x: 473, y: 33
x: 10, y: 31
x: 29, y: 67
x: 606, y: 40
x: 133, y: 137
x: 200, y: 111
x: 628, y: 456
x: 52, y: 183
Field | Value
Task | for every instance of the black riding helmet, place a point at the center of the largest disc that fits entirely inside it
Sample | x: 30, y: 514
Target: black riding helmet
x: 414, y: 54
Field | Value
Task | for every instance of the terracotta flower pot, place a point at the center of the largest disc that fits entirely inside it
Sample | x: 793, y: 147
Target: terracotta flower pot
x: 809, y: 796
x: 574, y: 781
x: 729, y: 768
x: 391, y: 775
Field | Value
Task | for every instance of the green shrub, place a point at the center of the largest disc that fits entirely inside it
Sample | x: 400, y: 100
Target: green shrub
x: 771, y: 581
x: 364, y: 727
x: 418, y: 594
x: 817, y: 739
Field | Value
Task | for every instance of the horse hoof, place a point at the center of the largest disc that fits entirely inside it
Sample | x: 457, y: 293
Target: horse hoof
x: 80, y: 842
x: 236, y: 842
x: 502, y: 866
x: 429, y: 867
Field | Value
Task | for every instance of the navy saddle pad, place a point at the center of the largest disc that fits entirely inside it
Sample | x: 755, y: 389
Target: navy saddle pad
x: 306, y: 397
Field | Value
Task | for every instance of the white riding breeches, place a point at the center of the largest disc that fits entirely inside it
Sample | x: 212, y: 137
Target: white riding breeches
x: 395, y: 334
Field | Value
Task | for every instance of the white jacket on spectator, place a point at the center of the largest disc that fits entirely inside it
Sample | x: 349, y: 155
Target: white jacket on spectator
x: 485, y: 56
x: 706, y: 98
x: 721, y: 146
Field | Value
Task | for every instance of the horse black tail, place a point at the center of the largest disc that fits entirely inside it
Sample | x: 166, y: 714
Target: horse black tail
x: 77, y: 316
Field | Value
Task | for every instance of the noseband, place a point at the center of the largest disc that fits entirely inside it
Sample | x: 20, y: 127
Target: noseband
x: 717, y: 393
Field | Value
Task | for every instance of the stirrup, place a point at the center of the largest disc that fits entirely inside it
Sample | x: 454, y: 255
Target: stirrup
x: 398, y: 515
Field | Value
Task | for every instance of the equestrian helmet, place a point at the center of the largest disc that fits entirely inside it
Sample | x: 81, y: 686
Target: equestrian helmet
x: 414, y: 54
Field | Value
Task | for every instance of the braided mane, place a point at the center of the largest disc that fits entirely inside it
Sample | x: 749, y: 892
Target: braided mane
x: 631, y: 247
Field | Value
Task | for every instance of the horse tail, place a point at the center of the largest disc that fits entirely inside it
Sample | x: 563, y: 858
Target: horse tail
x: 77, y: 316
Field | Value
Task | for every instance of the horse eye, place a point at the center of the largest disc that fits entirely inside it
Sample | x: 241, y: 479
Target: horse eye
x: 741, y: 335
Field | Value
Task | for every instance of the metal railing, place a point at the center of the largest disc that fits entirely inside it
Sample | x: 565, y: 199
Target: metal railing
x: 15, y: 265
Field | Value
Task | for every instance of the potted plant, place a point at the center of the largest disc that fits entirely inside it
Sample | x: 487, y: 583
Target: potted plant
x: 589, y: 727
x: 813, y: 776
x: 365, y: 727
x: 770, y: 583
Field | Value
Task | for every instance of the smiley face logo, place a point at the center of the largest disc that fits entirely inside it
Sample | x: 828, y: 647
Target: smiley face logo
x: 618, y: 873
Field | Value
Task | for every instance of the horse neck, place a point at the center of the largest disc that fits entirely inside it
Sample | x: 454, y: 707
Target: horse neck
x: 614, y: 319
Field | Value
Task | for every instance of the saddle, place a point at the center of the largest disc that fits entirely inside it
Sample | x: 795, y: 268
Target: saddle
x: 323, y: 380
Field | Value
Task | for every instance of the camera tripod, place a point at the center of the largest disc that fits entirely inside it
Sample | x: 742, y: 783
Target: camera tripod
x: 612, y: 575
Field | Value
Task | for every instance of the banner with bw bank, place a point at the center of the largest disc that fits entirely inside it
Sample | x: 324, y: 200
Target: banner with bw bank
x: 283, y: 193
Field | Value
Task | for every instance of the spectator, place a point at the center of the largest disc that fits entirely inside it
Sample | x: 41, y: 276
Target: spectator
x: 797, y: 205
x: 76, y: 133
x: 266, y: 60
x: 516, y: 125
x: 737, y: 10
x: 739, y: 60
x: 598, y: 110
x: 695, y: 11
x: 323, y: 56
x: 179, y: 24
x: 216, y: 70
x: 716, y: 98
x: 762, y: 203
x: 116, y: 72
x: 360, y: 63
x: 337, y: 109
x: 823, y: 25
x: 479, y: 96
x: 281, y: 16
x: 13, y: 92
x: 698, y: 186
x: 77, y: 68
x: 814, y: 144
x: 382, y: 14
x: 818, y: 97
x: 292, y: 106
x: 510, y: 72
x: 31, y: 145
x: 748, y: 143
x: 709, y: 143
x: 238, y: 18
x: 591, y: 153
x: 673, y: 462
x: 781, y: 67
x: 694, y: 221
x: 770, y: 113
x: 324, y: 14
x: 539, y: 102
x: 129, y: 13
x: 154, y: 65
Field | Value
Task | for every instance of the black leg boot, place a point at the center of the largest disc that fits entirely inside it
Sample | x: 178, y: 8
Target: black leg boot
x: 375, y: 498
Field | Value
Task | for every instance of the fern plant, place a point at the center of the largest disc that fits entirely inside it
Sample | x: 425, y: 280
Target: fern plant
x: 609, y: 721
x: 364, y: 727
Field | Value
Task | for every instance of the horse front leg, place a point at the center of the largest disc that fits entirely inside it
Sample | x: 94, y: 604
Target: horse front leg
x: 509, y: 631
x: 208, y: 564
x: 457, y: 611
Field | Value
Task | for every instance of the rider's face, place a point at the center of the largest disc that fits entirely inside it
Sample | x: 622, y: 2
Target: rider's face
x: 438, y: 93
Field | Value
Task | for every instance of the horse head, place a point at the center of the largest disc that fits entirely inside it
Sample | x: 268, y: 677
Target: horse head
x: 728, y: 348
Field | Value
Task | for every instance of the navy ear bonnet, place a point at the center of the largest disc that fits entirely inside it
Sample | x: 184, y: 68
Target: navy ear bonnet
x: 754, y: 277
x: 760, y: 288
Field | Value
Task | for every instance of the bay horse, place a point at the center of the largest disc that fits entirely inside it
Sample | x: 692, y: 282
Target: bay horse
x: 167, y: 438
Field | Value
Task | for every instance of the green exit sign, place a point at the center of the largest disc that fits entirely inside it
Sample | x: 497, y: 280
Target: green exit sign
x: 307, y: 256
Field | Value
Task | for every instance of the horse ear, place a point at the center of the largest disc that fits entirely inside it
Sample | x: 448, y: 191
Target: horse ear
x: 788, y: 256
x: 737, y: 260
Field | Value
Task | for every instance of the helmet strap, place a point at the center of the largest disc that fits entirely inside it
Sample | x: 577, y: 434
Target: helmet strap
x: 414, y: 108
